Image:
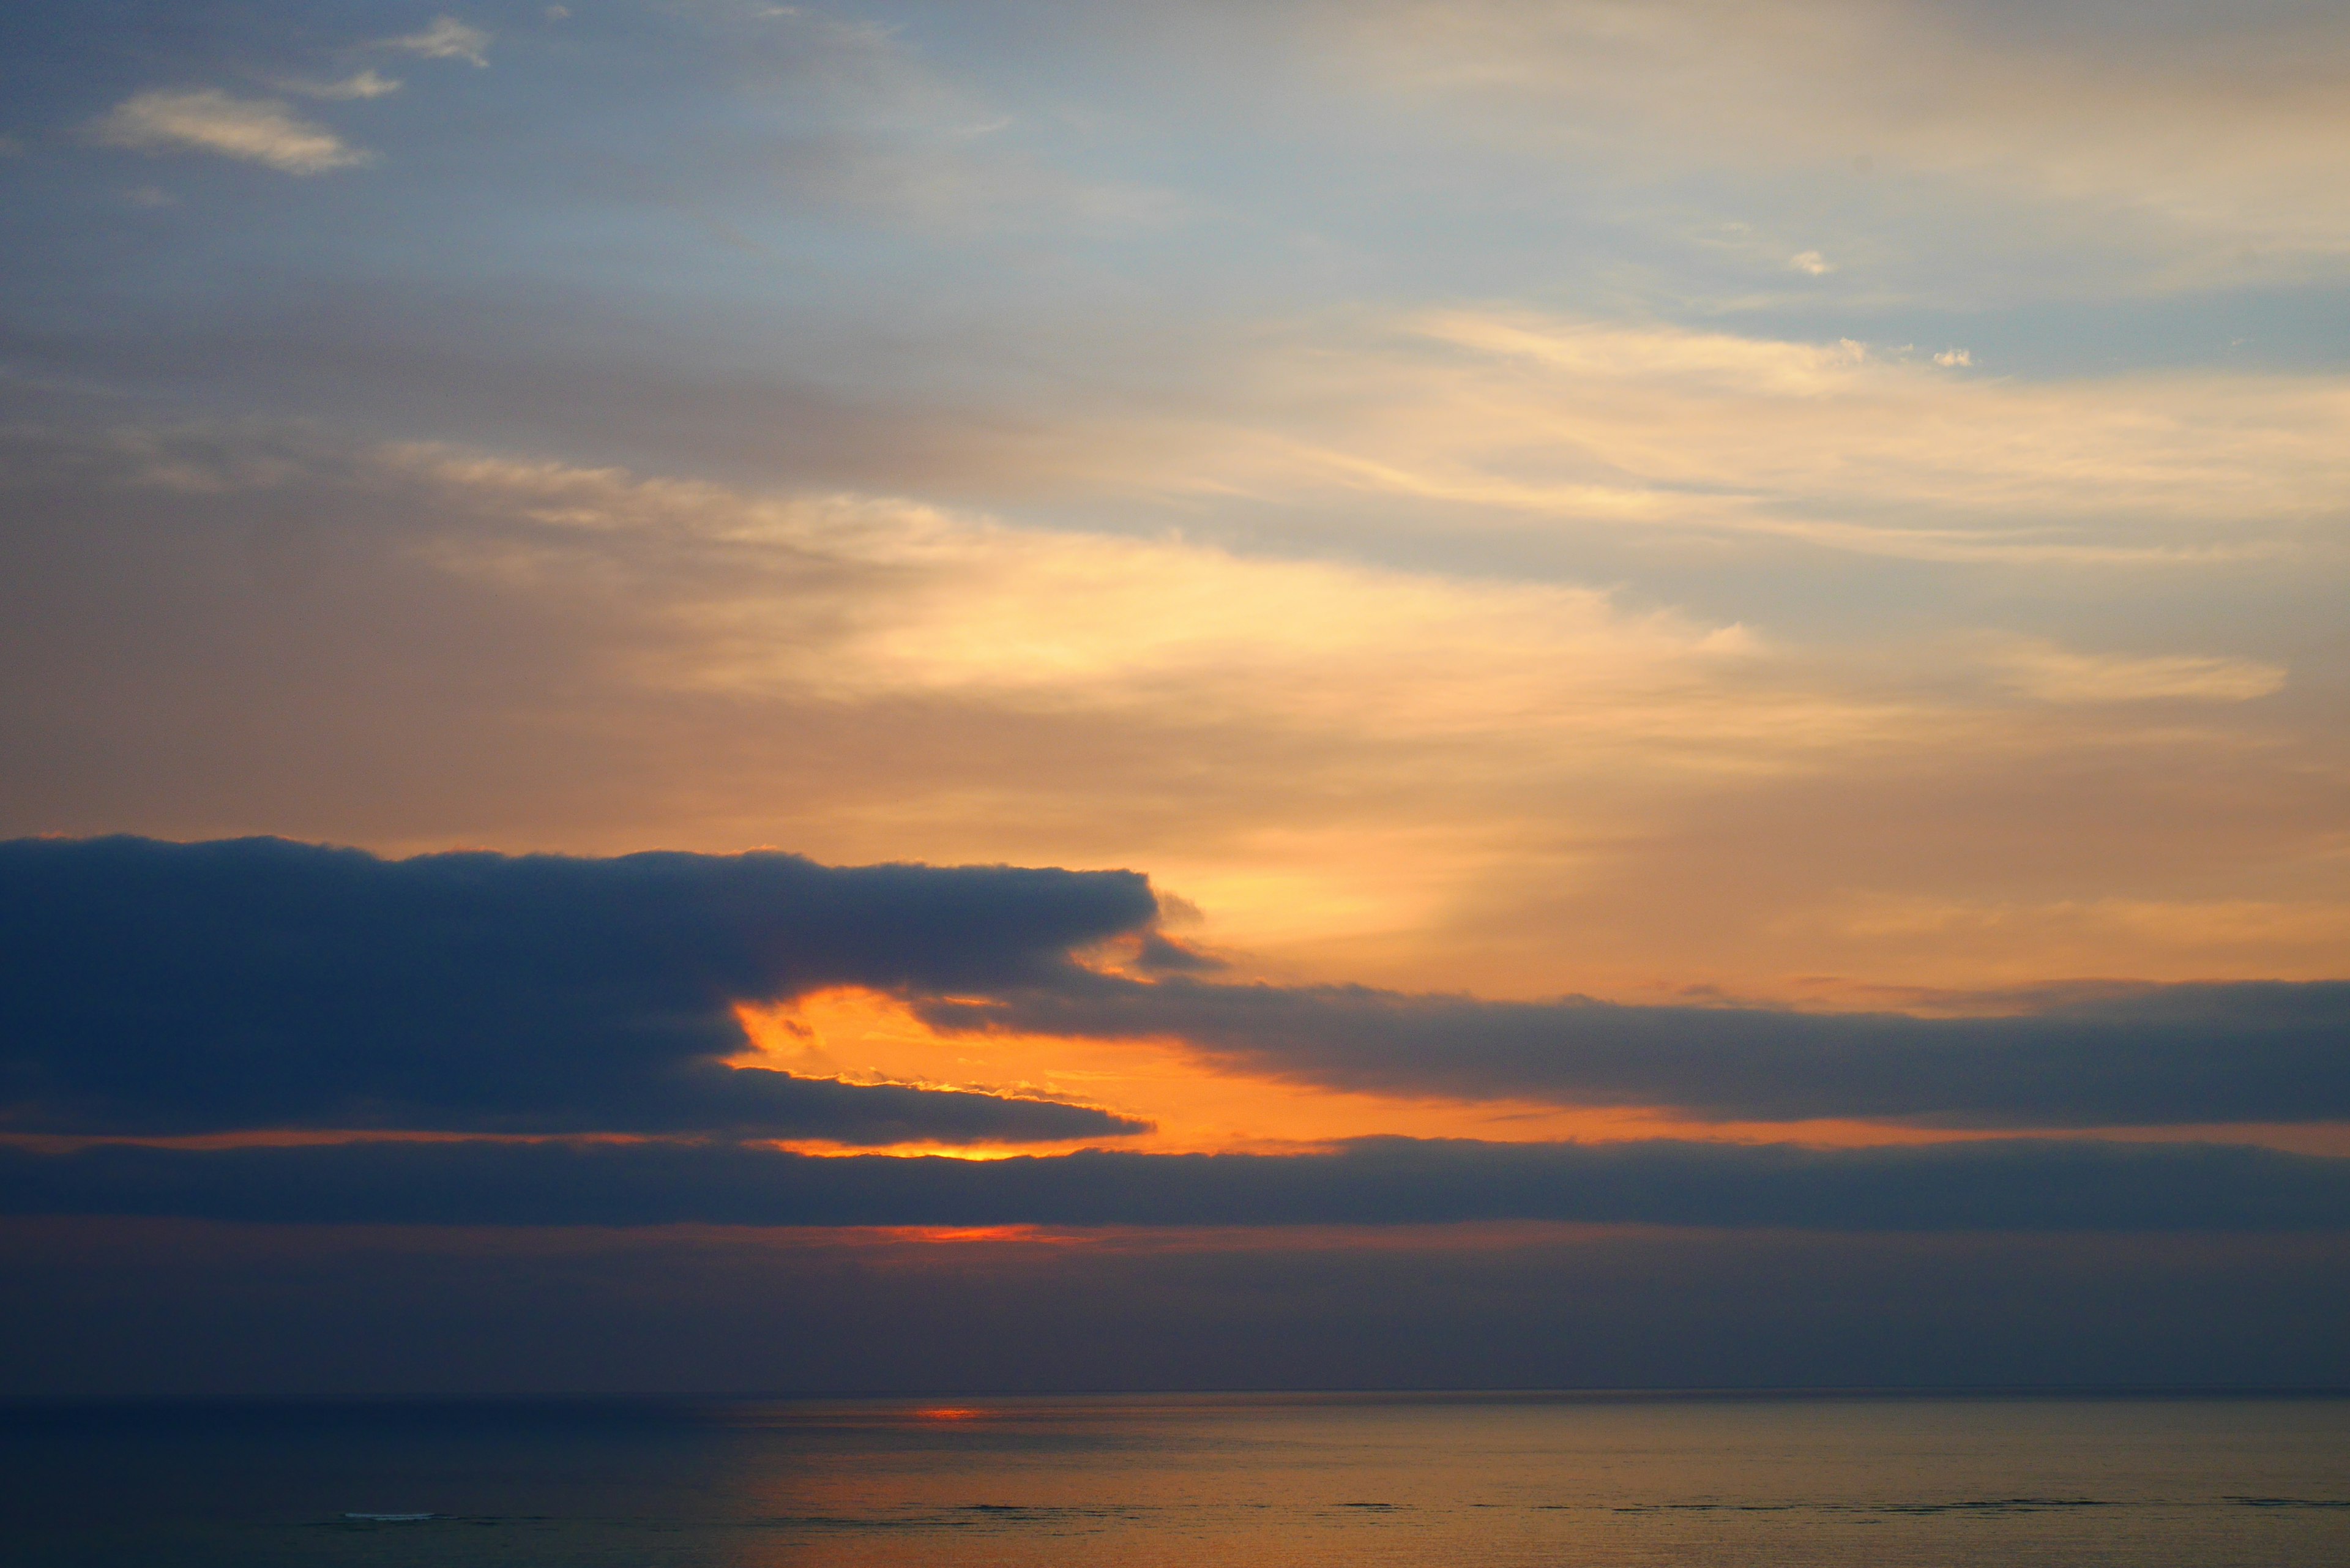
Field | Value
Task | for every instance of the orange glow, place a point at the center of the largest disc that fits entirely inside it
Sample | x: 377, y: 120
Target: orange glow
x: 949, y: 1413
x: 854, y: 1035
x: 861, y: 1036
x: 978, y: 1154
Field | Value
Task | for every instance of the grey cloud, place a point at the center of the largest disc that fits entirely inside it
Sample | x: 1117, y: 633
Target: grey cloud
x: 2147, y: 1056
x: 154, y: 987
x: 149, y: 1308
x: 1991, y: 1185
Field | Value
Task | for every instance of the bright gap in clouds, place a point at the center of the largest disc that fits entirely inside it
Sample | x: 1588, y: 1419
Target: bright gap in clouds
x: 1197, y: 1105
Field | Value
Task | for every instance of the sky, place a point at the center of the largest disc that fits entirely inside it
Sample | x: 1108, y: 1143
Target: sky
x: 710, y: 696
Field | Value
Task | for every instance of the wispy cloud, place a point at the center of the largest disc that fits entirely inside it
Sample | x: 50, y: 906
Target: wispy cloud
x: 446, y: 40
x: 1532, y: 421
x: 915, y: 601
x: 206, y: 119
x: 363, y: 84
x: 2223, y: 131
x: 2059, y: 675
x: 1422, y: 778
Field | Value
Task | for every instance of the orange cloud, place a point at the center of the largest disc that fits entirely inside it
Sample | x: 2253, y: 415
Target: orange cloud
x: 861, y: 1036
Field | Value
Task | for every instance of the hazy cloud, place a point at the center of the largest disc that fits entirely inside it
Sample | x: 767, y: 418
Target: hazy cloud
x: 206, y: 120
x: 363, y: 84
x: 1421, y: 777
x: 2215, y: 127
x: 2059, y: 675
x: 446, y: 40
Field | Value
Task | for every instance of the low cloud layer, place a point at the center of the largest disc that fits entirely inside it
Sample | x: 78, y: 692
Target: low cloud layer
x: 167, y: 989
x: 163, y: 988
x: 1993, y: 1185
x: 2148, y: 1056
x: 148, y: 1307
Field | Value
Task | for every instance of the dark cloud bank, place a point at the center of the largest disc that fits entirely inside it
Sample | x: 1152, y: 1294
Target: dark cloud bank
x: 1979, y: 1185
x: 150, y: 988
x: 161, y: 988
x: 150, y: 1307
x: 2141, y: 1056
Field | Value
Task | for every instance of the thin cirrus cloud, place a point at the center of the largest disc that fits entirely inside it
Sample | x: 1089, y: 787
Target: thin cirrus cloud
x: 206, y: 119
x: 446, y: 38
x: 365, y: 84
x: 2061, y: 675
x: 1523, y: 421
x: 914, y: 599
x: 2211, y: 130
x: 860, y: 596
x: 174, y: 988
x: 1423, y: 780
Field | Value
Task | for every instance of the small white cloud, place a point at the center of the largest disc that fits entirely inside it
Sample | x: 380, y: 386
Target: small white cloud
x: 1954, y: 357
x: 366, y: 84
x: 206, y: 120
x: 446, y: 40
x: 1811, y: 262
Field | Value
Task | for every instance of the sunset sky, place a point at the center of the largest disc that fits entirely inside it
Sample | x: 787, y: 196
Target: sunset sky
x: 1481, y: 692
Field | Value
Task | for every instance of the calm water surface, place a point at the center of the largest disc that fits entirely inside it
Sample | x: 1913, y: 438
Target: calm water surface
x: 1273, y: 1480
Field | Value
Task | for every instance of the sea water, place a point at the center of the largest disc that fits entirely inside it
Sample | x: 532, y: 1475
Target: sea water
x: 1463, y: 1480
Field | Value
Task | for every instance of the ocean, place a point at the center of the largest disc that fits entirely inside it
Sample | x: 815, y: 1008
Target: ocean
x: 1460, y: 1479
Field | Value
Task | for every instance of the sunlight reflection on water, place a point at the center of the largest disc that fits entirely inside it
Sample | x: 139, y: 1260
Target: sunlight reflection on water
x: 1276, y: 1480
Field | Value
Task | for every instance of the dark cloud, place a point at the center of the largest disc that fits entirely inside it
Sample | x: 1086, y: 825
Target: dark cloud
x: 2144, y: 1056
x: 152, y: 988
x: 148, y: 1307
x: 148, y: 987
x: 1995, y: 1185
